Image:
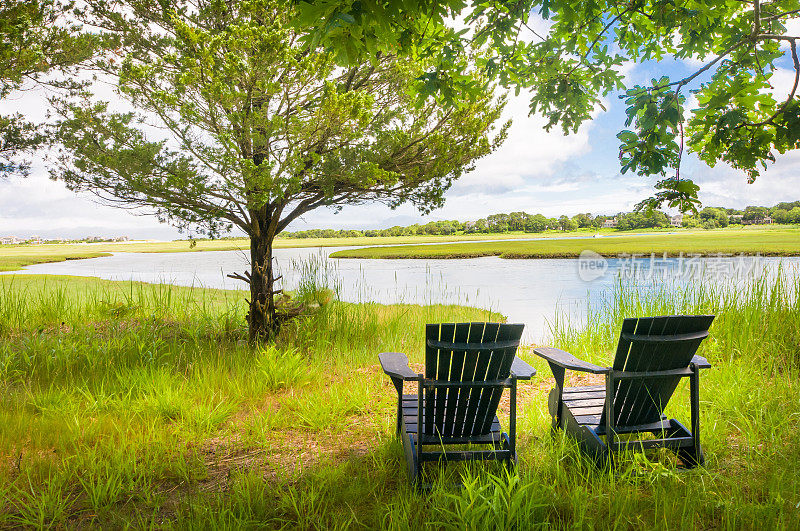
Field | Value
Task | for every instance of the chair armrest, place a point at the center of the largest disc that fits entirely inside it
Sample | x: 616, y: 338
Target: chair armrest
x: 568, y: 361
x: 395, y: 364
x: 521, y: 370
x: 701, y: 362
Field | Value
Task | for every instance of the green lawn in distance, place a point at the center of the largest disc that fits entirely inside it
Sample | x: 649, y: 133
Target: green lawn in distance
x: 14, y: 257
x: 781, y: 240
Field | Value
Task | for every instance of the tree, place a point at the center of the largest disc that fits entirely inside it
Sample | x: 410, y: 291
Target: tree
x: 498, y: 222
x: 690, y: 222
x: 35, y: 39
x: 641, y: 220
x: 536, y: 223
x: 565, y: 223
x: 516, y: 221
x: 578, y: 60
x: 755, y: 213
x: 781, y: 216
x: 712, y: 217
x: 583, y: 220
x: 787, y: 205
x: 255, y: 130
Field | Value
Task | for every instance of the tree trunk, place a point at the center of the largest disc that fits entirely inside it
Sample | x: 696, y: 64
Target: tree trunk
x: 261, y: 317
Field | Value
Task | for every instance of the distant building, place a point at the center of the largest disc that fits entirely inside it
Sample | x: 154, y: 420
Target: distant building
x: 121, y: 239
x: 35, y: 240
x: 758, y: 221
x: 610, y: 223
x: 736, y: 218
x: 676, y: 220
x: 8, y: 240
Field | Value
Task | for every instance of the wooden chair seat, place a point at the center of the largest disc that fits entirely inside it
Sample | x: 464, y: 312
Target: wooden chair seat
x: 410, y: 424
x: 585, y: 406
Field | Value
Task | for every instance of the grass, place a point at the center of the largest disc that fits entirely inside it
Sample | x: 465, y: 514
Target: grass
x: 766, y: 241
x: 15, y: 257
x: 127, y: 404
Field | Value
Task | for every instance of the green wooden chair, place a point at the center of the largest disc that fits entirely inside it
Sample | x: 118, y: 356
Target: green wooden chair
x: 653, y: 354
x: 467, y: 367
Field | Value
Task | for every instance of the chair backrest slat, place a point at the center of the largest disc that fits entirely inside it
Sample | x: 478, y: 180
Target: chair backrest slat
x: 456, y: 368
x: 462, y: 395
x: 441, y: 372
x: 649, y: 344
x: 643, y: 394
x: 478, y: 397
x: 455, y: 353
x: 499, y: 368
x: 432, y: 360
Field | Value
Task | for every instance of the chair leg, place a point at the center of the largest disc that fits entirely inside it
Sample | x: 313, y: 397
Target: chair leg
x: 399, y: 422
x: 412, y: 457
x: 554, y: 406
x: 591, y: 445
x: 692, y: 456
x: 505, y: 444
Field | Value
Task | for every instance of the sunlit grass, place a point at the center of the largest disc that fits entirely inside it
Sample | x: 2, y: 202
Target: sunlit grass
x: 14, y: 257
x: 134, y: 404
x: 766, y: 241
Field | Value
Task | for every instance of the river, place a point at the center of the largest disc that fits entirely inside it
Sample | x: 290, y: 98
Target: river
x: 530, y: 291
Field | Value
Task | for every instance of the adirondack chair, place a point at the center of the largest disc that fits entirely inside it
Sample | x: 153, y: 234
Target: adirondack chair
x: 652, y: 356
x: 467, y: 367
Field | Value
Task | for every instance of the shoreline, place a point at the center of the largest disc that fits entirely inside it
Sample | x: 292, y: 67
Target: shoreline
x: 783, y: 240
x: 571, y: 256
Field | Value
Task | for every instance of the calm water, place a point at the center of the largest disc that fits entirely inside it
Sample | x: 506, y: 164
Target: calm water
x: 527, y: 291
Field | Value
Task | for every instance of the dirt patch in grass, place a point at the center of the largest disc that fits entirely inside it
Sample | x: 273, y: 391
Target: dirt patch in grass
x: 285, y: 451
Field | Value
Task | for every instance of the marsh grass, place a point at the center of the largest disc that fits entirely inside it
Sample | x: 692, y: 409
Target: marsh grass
x: 126, y: 404
x: 754, y: 240
x: 15, y: 257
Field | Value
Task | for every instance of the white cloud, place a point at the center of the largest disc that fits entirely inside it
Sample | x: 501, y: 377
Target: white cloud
x: 793, y: 29
x: 782, y: 81
x: 37, y: 205
x: 528, y: 156
x: 724, y: 186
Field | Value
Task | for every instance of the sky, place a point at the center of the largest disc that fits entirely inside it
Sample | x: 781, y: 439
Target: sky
x: 533, y: 171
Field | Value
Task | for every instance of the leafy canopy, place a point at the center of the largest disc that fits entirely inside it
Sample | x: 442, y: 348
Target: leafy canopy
x: 236, y: 120
x: 36, y: 39
x: 576, y: 58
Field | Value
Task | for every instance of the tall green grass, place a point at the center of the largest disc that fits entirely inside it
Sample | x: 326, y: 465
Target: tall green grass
x: 125, y: 404
x: 757, y: 318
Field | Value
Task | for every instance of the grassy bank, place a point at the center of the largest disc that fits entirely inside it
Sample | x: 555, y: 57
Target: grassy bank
x: 765, y: 241
x: 131, y: 404
x: 15, y: 257
x: 783, y: 240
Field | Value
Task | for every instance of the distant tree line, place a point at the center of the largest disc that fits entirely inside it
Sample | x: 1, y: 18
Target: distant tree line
x: 717, y: 217
x: 494, y: 224
x: 709, y: 218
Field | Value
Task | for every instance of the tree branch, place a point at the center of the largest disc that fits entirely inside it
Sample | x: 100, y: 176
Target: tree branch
x: 796, y: 60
